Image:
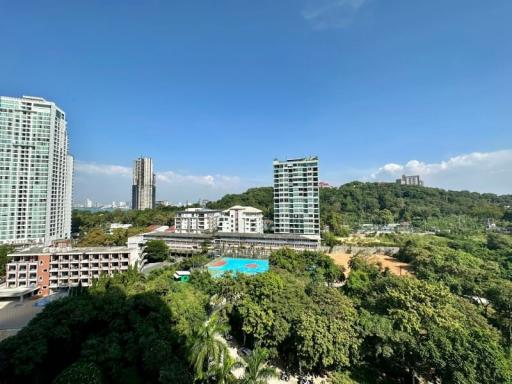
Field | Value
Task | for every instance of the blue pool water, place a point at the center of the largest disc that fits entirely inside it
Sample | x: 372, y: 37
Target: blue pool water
x: 237, y: 265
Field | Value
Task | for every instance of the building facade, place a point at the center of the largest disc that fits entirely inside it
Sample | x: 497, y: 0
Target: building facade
x: 296, y: 196
x: 241, y: 219
x: 232, y: 244
x: 197, y: 220
x: 54, y: 269
x: 143, y: 188
x: 410, y: 180
x: 36, y: 172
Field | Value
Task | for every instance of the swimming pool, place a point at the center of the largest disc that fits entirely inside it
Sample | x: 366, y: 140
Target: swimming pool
x: 237, y: 265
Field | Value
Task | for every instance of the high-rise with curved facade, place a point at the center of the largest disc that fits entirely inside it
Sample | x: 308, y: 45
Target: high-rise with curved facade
x: 36, y: 171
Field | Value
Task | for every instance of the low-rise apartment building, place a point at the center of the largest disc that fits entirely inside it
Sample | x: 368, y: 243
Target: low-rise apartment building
x: 241, y: 219
x: 197, y: 220
x: 225, y: 243
x: 54, y: 269
x: 181, y: 243
x: 235, y: 219
x: 262, y: 244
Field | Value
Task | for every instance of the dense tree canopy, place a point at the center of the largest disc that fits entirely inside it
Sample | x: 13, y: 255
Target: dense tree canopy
x: 261, y: 198
x: 377, y: 328
x: 84, y: 220
x: 416, y: 328
x: 156, y: 250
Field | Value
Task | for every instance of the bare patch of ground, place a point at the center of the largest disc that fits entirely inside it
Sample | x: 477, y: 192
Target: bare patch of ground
x: 397, y: 267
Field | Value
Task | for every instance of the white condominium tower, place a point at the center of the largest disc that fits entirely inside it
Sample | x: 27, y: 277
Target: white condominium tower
x: 296, y: 196
x: 143, y: 189
x: 36, y: 172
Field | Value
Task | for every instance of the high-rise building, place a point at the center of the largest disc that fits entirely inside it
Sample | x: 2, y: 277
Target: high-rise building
x: 296, y: 196
x: 410, y: 180
x: 36, y: 172
x: 143, y: 189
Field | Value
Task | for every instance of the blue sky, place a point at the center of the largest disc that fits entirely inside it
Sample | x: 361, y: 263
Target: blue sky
x: 214, y: 90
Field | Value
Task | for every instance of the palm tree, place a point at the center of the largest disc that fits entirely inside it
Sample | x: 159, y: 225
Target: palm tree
x: 207, y: 347
x: 223, y: 372
x: 256, y: 370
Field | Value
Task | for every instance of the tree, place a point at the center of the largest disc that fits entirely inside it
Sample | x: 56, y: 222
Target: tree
x: 80, y: 372
x: 256, y: 369
x: 4, y: 251
x: 325, y: 335
x: 413, y: 328
x: 156, y: 250
x: 500, y: 297
x: 330, y: 240
x: 207, y: 348
x: 95, y: 238
x: 128, y: 338
x: 223, y: 371
x: 496, y: 241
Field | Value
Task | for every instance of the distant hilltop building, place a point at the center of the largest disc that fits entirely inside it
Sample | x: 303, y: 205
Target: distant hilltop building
x: 296, y: 196
x: 323, y: 184
x: 36, y: 172
x: 410, y: 180
x: 143, y: 189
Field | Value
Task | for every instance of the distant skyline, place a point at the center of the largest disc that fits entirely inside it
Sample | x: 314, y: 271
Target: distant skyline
x: 214, y: 91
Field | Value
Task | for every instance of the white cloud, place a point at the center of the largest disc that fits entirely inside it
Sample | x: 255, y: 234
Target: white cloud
x: 477, y: 171
x: 107, y: 182
x: 103, y: 169
x: 325, y: 14
x: 213, y: 181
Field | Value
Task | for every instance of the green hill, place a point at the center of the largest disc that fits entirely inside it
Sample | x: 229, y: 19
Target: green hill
x: 358, y: 202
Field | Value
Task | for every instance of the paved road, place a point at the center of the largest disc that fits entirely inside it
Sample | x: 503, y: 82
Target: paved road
x: 16, y: 315
x: 147, y: 268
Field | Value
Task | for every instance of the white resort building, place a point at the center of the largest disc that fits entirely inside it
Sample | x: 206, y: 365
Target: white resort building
x: 239, y: 219
x: 197, y: 220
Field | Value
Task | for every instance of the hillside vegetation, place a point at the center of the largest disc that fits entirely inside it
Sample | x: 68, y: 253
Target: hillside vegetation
x: 381, y: 203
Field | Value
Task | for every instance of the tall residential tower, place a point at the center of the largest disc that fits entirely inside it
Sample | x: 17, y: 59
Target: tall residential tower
x: 143, y: 189
x: 296, y: 196
x: 36, y: 172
